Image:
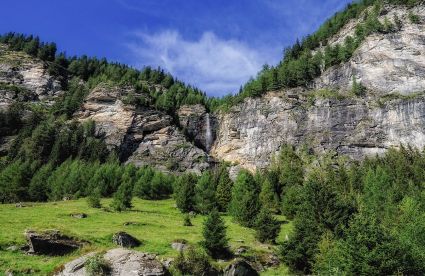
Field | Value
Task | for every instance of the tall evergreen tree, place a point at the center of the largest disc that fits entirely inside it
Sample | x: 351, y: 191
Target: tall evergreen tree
x: 245, y: 204
x: 214, y: 232
x: 205, y: 194
x: 267, y: 228
x: 122, y: 198
x: 184, y: 192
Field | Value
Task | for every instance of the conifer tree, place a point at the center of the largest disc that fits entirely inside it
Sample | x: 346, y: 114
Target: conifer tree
x: 184, y: 192
x: 245, y: 204
x: 268, y: 196
x: 122, y: 198
x: 214, y: 232
x: 205, y: 194
x: 93, y: 200
x: 266, y: 226
x: 224, y: 190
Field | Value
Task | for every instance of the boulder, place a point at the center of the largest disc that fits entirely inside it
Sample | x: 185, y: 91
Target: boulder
x: 240, y: 268
x: 51, y: 243
x: 122, y: 262
x: 124, y: 239
x: 240, y: 250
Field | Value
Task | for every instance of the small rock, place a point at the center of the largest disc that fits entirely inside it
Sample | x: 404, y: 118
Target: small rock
x: 168, y: 262
x: 8, y: 272
x: 124, y: 239
x: 239, y: 268
x: 13, y: 248
x: 79, y: 215
x: 240, y: 241
x: 271, y: 260
x: 179, y: 246
x: 241, y: 250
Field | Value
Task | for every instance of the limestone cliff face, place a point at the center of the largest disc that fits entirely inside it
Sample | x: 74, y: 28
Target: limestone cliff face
x: 391, y: 67
x: 25, y: 78
x: 254, y: 131
x: 384, y: 63
x: 142, y: 135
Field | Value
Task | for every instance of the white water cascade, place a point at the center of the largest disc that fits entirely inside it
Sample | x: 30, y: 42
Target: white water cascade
x: 208, y: 133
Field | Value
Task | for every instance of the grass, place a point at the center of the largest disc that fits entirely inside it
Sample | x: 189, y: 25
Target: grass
x: 158, y: 224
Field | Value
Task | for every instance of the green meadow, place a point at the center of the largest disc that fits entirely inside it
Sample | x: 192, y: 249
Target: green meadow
x: 156, y: 223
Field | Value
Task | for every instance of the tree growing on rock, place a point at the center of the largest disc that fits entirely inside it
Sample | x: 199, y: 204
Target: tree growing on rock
x: 245, y: 204
x: 214, y: 232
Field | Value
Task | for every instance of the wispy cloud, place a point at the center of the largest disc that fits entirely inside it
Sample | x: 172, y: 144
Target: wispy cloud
x: 215, y: 65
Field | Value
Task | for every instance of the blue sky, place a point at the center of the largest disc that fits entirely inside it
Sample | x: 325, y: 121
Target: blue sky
x: 216, y: 45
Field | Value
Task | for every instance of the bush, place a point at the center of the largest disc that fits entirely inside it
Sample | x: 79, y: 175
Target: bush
x: 93, y: 200
x: 186, y: 220
x: 192, y: 262
x: 97, y: 266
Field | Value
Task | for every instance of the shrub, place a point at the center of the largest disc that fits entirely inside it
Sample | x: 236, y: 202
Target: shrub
x: 186, y: 220
x: 97, y: 266
x: 192, y: 262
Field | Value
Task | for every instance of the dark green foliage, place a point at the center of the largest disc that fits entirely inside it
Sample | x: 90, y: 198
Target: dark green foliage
x: 414, y: 18
x: 267, y: 228
x: 14, y: 180
x: 93, y: 200
x: 269, y: 198
x: 186, y: 220
x: 223, y: 192
x: 152, y: 184
x: 192, y: 262
x: 184, y: 192
x: 245, y: 203
x: 123, y: 196
x: 357, y: 88
x: 39, y: 189
x: 215, y: 241
x: 205, y: 194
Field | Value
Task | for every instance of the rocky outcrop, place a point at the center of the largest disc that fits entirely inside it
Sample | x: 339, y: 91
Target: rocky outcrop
x: 143, y: 135
x: 121, y: 262
x: 252, y: 132
x: 51, y: 243
x: 240, y: 268
x: 25, y: 78
x: 384, y: 63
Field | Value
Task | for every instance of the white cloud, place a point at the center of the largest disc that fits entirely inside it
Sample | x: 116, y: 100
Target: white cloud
x: 215, y: 65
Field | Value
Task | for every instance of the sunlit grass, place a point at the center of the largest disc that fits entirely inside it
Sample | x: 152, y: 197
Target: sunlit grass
x: 159, y: 223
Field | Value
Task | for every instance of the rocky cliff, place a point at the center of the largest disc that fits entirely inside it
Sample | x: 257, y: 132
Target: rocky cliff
x: 326, y: 117
x: 141, y: 134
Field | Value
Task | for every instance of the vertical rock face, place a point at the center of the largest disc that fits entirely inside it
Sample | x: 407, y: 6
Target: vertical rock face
x: 254, y: 131
x: 143, y: 135
x: 384, y: 63
x: 25, y: 78
x: 194, y: 121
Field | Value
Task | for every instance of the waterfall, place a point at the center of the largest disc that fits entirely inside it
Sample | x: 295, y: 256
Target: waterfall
x: 208, y: 133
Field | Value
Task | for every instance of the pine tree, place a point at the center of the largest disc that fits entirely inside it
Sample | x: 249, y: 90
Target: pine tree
x: 122, y: 198
x: 266, y: 226
x: 268, y: 196
x: 184, y: 192
x: 214, y: 232
x: 205, y: 194
x: 224, y: 190
x: 245, y: 204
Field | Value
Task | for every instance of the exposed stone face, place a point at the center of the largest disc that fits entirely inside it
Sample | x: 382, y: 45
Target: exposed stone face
x: 193, y: 120
x: 143, y: 135
x: 252, y: 132
x: 384, y: 63
x: 121, y: 262
x: 30, y: 75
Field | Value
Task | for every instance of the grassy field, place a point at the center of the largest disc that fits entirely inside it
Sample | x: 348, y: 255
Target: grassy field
x: 159, y: 223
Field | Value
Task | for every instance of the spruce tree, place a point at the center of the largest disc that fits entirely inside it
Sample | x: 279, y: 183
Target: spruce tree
x: 224, y: 190
x: 266, y: 226
x: 122, y: 198
x: 205, y: 194
x: 245, y: 204
x: 269, y: 197
x: 184, y: 192
x: 214, y: 232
